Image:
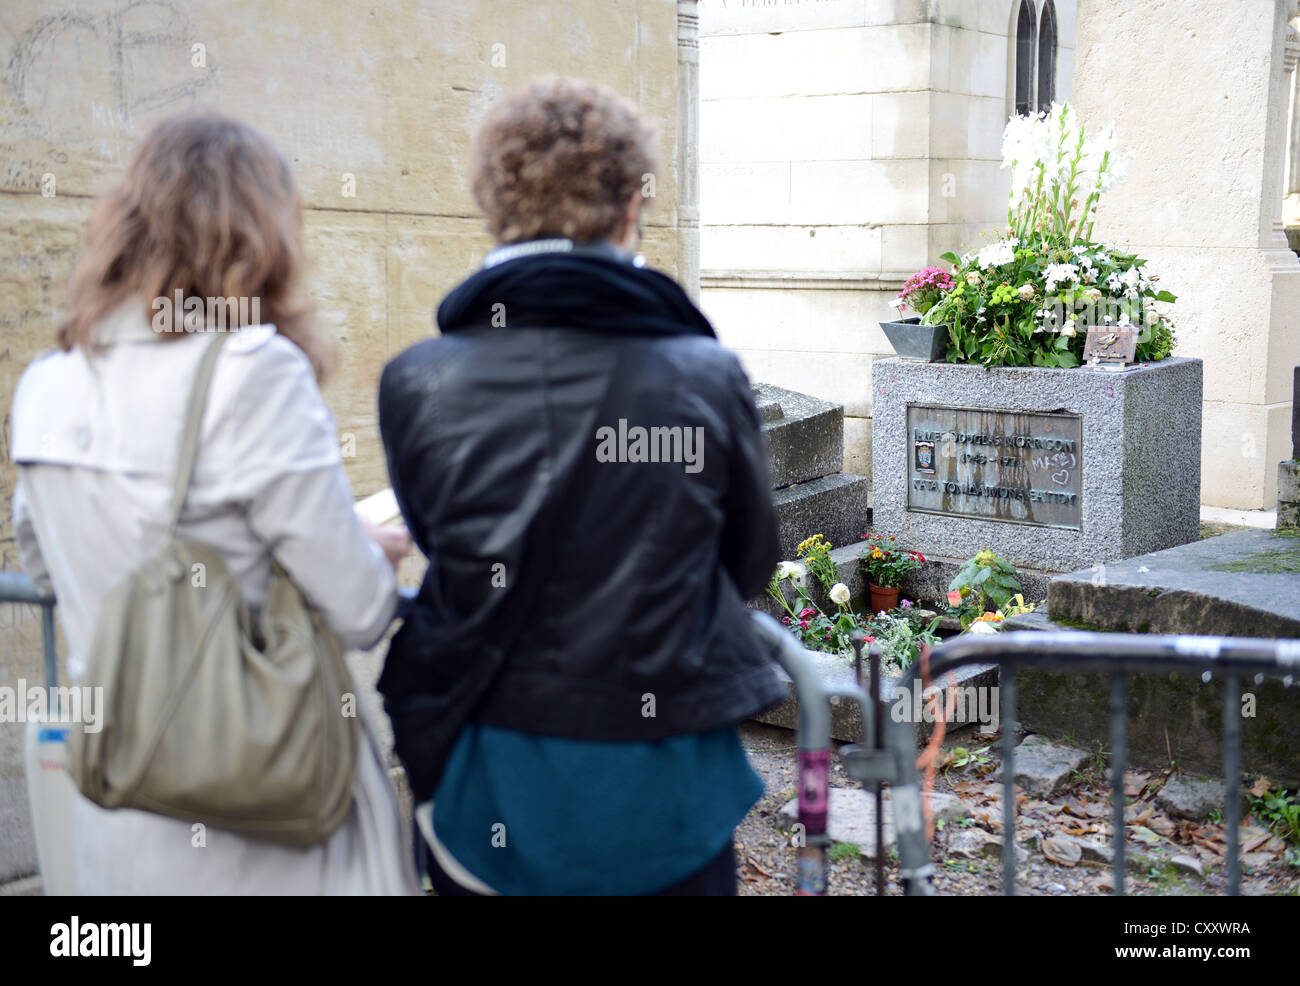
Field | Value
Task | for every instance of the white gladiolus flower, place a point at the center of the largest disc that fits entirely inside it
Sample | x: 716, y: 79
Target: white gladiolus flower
x: 1131, y: 277
x: 1067, y: 329
x: 839, y: 594
x: 982, y: 627
x: 972, y: 278
x: 1124, y: 321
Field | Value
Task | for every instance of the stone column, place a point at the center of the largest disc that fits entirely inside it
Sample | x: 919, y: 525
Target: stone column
x: 688, y: 147
x: 1203, y: 201
x: 1291, y: 177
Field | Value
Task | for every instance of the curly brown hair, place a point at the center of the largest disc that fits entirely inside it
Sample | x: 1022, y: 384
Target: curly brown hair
x: 560, y: 157
x: 207, y: 207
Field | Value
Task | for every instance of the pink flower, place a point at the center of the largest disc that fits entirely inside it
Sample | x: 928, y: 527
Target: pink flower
x: 807, y: 613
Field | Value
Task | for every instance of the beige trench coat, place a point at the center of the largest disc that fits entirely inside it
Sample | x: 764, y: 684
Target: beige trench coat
x: 95, y: 440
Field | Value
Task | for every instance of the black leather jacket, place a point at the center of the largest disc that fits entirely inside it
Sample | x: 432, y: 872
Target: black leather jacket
x: 636, y: 626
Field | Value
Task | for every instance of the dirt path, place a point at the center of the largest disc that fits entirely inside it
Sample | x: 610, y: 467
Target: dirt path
x: 1081, y: 811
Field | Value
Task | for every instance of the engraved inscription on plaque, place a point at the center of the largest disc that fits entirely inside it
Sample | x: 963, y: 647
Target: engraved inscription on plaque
x: 1013, y: 466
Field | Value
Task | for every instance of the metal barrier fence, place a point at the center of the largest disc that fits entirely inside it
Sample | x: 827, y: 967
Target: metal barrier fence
x: 18, y: 588
x: 888, y: 751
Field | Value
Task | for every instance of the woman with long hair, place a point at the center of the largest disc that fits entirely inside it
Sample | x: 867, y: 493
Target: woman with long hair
x: 203, y: 234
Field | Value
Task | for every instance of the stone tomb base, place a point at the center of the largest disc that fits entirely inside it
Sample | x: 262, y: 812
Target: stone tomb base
x: 1055, y: 470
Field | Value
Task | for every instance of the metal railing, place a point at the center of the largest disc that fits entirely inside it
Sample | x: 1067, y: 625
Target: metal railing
x: 893, y: 760
x: 18, y: 588
x: 887, y: 754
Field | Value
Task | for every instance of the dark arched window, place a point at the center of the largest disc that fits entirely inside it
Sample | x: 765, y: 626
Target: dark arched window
x: 1047, y: 57
x: 1025, y: 58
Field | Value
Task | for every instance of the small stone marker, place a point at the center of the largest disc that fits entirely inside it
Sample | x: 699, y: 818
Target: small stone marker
x: 1191, y: 797
x: 852, y: 816
x: 1111, y: 346
x: 1042, y: 766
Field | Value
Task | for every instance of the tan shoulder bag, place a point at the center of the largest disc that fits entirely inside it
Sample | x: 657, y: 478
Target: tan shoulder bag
x: 205, y: 720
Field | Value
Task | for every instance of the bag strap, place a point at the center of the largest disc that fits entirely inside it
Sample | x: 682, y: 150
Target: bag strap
x: 189, y: 444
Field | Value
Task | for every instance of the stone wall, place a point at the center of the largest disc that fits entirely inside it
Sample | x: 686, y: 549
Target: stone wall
x: 1203, y: 202
x: 844, y: 144
x: 375, y: 99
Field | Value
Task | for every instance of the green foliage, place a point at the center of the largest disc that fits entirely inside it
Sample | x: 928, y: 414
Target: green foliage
x: 844, y: 850
x: 984, y: 579
x: 961, y: 757
x: 1280, y: 811
x: 900, y: 634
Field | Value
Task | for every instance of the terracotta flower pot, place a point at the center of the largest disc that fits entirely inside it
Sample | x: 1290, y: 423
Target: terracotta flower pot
x: 883, y: 598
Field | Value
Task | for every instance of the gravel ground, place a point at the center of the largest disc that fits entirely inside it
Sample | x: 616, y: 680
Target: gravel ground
x: 766, y: 860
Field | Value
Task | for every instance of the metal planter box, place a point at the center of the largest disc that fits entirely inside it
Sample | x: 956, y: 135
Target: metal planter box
x: 912, y: 340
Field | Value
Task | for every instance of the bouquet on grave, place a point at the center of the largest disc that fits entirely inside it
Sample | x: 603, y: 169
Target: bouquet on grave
x: 1028, y: 298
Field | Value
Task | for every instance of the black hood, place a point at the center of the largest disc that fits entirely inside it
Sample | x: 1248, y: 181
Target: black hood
x: 571, y: 291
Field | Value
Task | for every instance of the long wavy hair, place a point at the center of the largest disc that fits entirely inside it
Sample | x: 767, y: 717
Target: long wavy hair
x: 208, y: 208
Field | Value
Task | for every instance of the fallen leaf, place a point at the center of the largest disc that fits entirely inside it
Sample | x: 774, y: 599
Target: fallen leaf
x: 1144, y: 834
x: 754, y: 865
x: 1134, y: 783
x: 1206, y: 844
x: 1162, y: 825
x: 1250, y: 845
x: 1260, y: 787
x: 1063, y: 851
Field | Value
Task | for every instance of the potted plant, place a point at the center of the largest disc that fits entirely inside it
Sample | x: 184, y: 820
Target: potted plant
x: 1028, y: 298
x: 908, y: 336
x: 986, y: 578
x: 885, y: 566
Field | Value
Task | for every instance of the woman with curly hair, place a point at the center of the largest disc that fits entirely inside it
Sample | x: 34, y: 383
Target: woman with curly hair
x: 583, y: 465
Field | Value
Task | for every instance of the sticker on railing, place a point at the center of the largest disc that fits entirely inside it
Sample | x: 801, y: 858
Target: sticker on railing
x: 1288, y: 651
x: 1198, y: 646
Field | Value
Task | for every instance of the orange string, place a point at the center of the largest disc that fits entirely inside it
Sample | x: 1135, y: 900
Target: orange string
x: 929, y: 758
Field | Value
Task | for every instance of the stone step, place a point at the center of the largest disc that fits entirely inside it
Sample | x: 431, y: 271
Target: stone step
x: 805, y: 435
x: 1243, y: 584
x: 835, y: 506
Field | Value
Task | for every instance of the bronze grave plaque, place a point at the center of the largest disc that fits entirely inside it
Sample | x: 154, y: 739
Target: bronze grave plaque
x: 1013, y: 466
